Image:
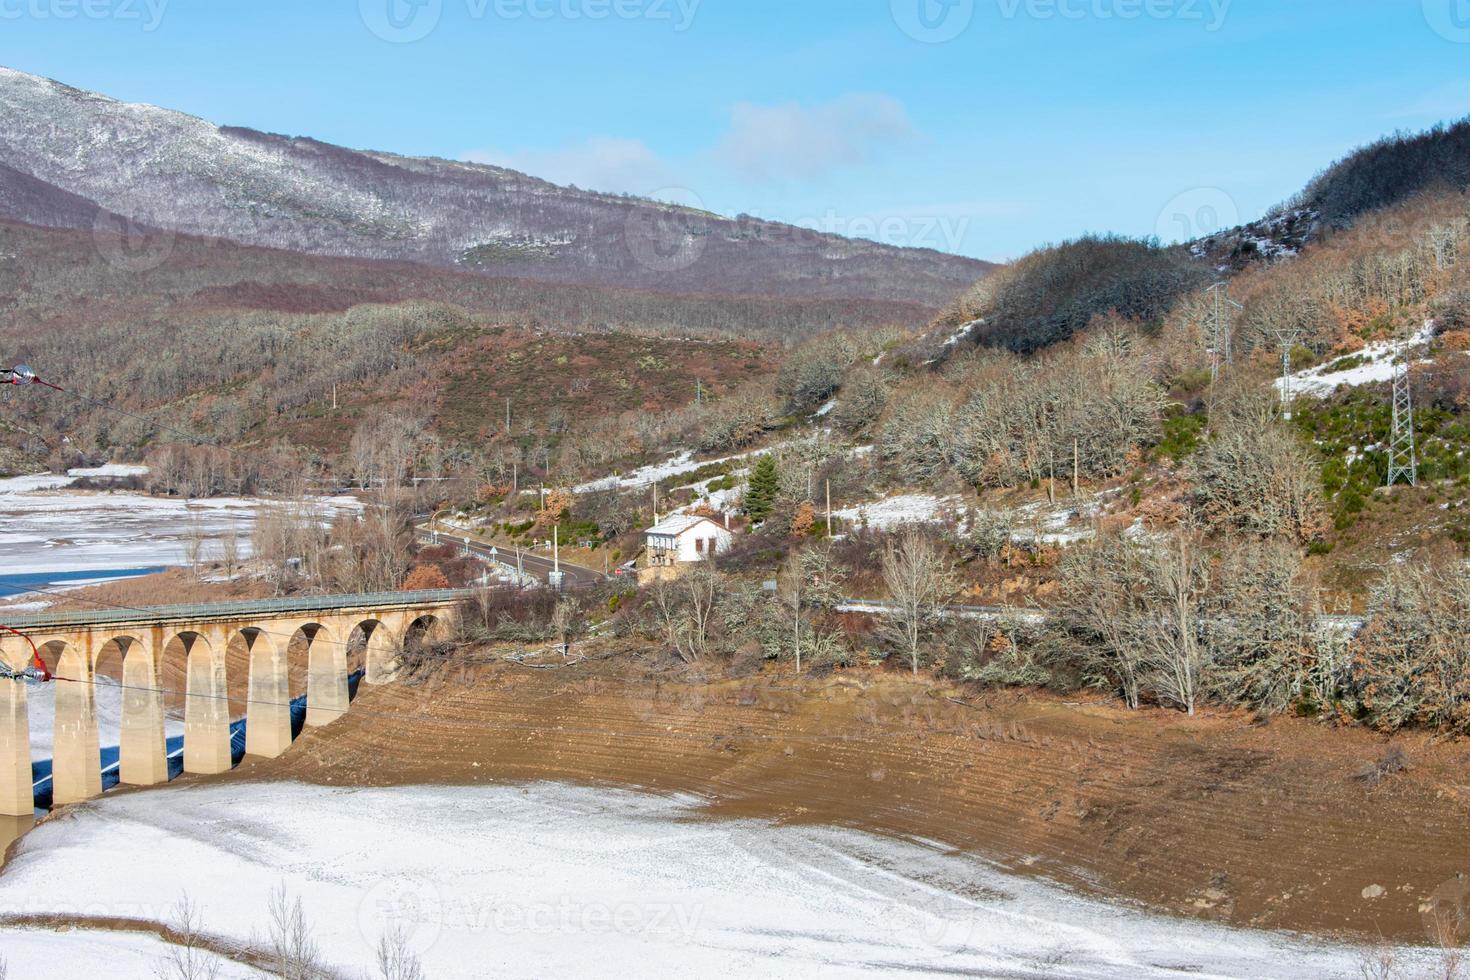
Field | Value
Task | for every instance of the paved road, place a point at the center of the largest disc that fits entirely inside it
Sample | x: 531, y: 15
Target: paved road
x: 540, y: 567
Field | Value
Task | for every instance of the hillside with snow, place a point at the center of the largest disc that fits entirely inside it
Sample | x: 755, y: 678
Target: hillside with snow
x: 69, y: 157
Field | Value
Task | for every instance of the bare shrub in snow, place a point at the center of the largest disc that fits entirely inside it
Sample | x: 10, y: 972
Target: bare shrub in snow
x: 187, y: 957
x: 396, y: 958
x: 290, y: 947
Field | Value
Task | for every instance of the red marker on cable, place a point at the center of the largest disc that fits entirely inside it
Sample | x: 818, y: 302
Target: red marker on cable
x: 35, y: 672
x: 22, y: 374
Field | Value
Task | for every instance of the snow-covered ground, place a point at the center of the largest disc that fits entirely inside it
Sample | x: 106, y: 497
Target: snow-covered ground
x: 549, y: 880
x: 891, y: 512
x: 1377, y: 367
x: 45, y: 528
x: 37, y: 953
x: 647, y: 476
x: 1051, y: 525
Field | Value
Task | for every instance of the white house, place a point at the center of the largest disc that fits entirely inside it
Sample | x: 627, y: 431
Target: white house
x: 684, y: 538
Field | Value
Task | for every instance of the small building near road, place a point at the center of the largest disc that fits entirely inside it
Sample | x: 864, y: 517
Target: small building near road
x: 682, y: 539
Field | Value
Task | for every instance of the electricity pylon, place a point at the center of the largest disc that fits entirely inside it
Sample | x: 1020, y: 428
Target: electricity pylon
x: 1220, y: 321
x: 1286, y: 337
x: 1403, y: 460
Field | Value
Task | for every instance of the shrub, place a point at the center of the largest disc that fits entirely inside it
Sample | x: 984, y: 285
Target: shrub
x: 1411, y: 662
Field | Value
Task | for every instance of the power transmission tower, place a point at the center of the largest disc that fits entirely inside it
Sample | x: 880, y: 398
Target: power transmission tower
x: 1403, y: 460
x: 1286, y: 337
x: 1220, y: 328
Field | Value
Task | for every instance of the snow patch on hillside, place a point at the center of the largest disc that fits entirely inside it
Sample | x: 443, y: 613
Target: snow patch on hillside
x: 1376, y: 367
x: 892, y: 512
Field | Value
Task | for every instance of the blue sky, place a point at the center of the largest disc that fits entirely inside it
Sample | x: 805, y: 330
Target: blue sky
x: 985, y: 127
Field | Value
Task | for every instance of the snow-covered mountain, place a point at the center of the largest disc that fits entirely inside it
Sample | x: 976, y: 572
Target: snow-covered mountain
x: 66, y: 155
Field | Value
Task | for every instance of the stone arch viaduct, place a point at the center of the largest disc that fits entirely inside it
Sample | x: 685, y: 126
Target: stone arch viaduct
x: 324, y: 638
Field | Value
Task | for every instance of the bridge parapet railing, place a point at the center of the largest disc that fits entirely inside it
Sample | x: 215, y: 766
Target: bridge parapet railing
x: 237, y: 609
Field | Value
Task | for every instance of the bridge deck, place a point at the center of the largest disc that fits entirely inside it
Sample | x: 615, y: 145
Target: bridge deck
x: 228, y: 611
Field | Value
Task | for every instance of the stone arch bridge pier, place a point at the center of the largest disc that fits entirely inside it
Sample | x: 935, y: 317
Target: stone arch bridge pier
x: 191, y: 659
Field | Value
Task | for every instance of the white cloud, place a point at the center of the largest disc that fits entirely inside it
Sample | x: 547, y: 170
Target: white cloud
x: 764, y: 142
x: 792, y: 141
x: 603, y: 163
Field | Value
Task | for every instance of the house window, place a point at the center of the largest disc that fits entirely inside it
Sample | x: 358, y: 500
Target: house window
x: 699, y: 546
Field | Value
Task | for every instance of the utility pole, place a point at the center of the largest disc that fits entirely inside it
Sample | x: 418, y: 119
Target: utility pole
x: 1076, y: 470
x: 334, y: 396
x: 1403, y: 459
x: 507, y: 417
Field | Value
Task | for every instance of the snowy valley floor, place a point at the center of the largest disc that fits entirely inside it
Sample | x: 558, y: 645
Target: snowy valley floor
x: 611, y: 818
x: 551, y: 880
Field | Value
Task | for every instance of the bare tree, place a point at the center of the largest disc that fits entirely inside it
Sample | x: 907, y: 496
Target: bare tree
x: 396, y: 958
x: 686, y: 609
x: 229, y: 551
x: 1170, y: 639
x: 194, y: 547
x: 187, y: 957
x: 1096, y: 612
x: 292, y: 949
x: 808, y: 580
x: 919, y: 578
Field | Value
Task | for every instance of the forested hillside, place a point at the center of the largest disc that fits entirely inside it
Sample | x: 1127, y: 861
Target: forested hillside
x: 208, y: 342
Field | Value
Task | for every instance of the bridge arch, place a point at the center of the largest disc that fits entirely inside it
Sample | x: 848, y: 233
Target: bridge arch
x: 206, y: 702
x: 374, y: 642
x: 142, y: 744
x: 108, y: 688
x: 422, y: 631
x: 326, y: 672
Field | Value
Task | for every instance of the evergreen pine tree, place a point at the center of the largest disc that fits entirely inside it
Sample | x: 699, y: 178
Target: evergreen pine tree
x: 761, y: 493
